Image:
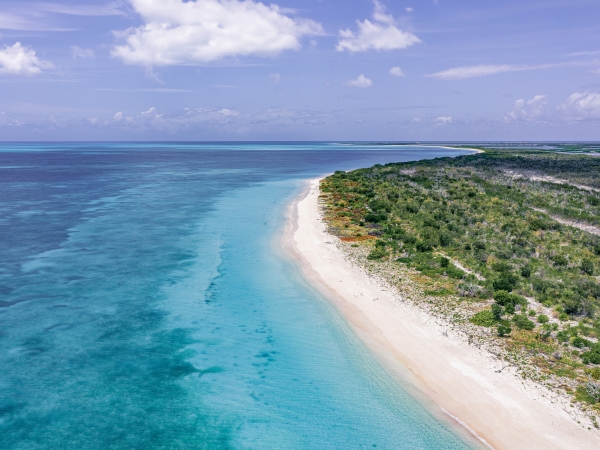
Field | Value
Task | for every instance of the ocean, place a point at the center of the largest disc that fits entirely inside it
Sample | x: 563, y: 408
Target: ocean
x: 145, y: 302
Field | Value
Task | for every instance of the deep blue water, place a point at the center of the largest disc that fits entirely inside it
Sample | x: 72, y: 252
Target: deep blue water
x: 145, y: 303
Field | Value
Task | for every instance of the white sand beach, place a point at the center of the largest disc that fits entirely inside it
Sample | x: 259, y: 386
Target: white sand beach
x: 499, y: 407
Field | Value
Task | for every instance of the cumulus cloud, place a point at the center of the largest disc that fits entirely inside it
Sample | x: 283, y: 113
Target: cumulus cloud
x: 379, y: 34
x: 274, y: 78
x: 178, y: 32
x: 444, y: 120
x: 361, y: 82
x: 19, y: 60
x: 528, y: 110
x: 396, y: 71
x: 409, y: 9
x: 118, y: 116
x: 582, y: 106
x: 83, y: 53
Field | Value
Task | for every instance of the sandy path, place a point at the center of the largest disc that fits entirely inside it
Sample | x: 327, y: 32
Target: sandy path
x: 498, y: 407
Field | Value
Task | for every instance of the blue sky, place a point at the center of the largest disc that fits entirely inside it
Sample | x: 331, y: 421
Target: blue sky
x: 300, y: 70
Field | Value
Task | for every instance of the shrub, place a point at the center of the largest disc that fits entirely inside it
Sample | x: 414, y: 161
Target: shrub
x: 592, y: 389
x: 479, y: 245
x: 542, y: 318
x: 484, y: 318
x: 572, y: 305
x: 502, y: 267
x: 563, y: 317
x: 560, y: 260
x: 376, y: 217
x: 454, y: 272
x: 409, y: 239
x: 592, y: 356
x: 544, y: 332
x: 497, y: 311
x: 445, y: 239
x: 506, y: 282
x: 587, y: 266
x: 423, y: 246
x: 504, y: 329
x: 503, y: 298
x: 377, y: 253
x: 580, y: 342
x: 562, y: 336
x: 526, y: 272
x: 523, y: 323
x: 412, y: 208
x: 444, y: 262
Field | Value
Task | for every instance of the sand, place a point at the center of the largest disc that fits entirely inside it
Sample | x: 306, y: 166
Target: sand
x: 498, y: 407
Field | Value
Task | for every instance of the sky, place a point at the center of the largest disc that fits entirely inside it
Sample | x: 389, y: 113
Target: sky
x: 312, y: 70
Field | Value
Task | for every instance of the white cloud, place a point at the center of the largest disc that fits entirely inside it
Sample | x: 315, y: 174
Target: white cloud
x: 83, y: 53
x: 178, y: 32
x: 151, y: 112
x: 381, y: 34
x: 582, y: 105
x: 459, y: 73
x: 396, y: 71
x: 361, y: 81
x: 19, y: 60
x: 41, y: 16
x: 81, y: 10
x: 118, y: 116
x: 409, y: 9
x: 528, y: 110
x: 274, y: 78
x: 444, y: 120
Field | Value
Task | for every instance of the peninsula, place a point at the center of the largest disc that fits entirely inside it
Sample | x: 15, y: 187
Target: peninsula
x: 480, y: 275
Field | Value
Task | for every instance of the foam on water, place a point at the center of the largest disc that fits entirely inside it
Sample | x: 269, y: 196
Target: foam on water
x: 145, y: 304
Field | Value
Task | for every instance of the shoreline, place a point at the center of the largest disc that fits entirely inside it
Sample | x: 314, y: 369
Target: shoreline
x: 500, y: 409
x: 474, y: 150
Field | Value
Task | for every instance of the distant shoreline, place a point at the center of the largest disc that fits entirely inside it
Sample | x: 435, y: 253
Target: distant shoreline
x: 502, y: 410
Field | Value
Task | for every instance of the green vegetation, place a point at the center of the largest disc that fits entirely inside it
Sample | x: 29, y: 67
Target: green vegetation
x: 501, y: 232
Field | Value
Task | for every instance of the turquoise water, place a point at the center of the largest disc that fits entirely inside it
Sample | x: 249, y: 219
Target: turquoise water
x: 145, y: 303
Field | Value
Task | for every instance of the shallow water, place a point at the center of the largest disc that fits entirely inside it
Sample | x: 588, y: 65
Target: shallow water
x: 145, y: 303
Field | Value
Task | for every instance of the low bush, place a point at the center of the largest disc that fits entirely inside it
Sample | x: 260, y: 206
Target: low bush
x: 522, y: 322
x: 504, y: 329
x: 587, y: 266
x: 592, y: 356
x: 580, y: 342
x: 377, y: 253
x: 484, y: 318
